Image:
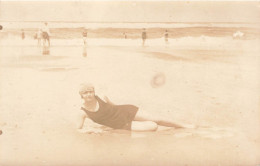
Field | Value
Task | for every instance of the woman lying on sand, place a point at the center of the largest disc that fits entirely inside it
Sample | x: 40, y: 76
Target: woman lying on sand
x: 126, y: 117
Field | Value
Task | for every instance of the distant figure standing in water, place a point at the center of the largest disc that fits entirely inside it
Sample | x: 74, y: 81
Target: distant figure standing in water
x: 46, y: 34
x: 126, y: 117
x: 23, y: 34
x: 144, y: 36
x: 125, y: 36
x: 166, y: 36
x: 84, y: 35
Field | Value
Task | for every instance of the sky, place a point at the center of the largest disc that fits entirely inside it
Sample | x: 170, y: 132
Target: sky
x: 131, y: 11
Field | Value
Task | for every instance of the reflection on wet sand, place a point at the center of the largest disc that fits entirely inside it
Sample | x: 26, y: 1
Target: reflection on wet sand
x: 46, y: 50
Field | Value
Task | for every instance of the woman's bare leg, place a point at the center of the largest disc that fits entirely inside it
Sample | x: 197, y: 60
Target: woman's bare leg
x: 163, y: 121
x: 143, y: 126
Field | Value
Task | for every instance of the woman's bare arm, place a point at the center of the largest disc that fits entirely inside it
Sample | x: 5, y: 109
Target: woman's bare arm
x: 81, y: 119
x: 91, y: 127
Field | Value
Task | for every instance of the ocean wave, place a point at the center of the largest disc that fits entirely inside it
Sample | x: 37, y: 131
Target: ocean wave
x: 172, y: 42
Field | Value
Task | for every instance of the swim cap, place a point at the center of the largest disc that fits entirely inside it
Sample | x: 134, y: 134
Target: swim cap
x: 86, y: 87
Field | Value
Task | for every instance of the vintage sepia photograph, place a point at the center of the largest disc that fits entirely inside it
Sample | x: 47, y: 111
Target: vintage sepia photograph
x: 129, y: 83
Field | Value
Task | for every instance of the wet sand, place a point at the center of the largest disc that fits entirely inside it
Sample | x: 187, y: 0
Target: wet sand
x: 213, y: 87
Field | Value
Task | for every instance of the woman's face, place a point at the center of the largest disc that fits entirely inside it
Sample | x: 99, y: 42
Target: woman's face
x: 88, y: 95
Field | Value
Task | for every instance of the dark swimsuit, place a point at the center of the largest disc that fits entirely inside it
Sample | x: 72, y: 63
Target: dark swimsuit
x: 84, y: 34
x: 114, y: 116
x: 45, y: 35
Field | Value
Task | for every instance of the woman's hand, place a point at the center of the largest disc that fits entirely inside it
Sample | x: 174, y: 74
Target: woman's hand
x: 91, y: 131
x: 107, y: 100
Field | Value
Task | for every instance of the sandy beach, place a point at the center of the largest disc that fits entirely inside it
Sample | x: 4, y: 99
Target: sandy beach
x: 210, y: 82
